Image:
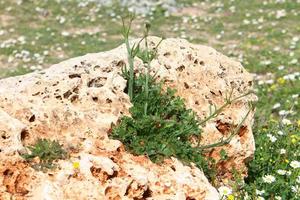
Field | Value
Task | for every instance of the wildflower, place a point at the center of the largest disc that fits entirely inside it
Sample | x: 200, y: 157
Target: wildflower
x: 266, y: 62
x: 65, y: 33
x: 76, y: 165
x: 224, y: 191
x: 280, y: 133
x: 273, y: 87
x: 280, y: 14
x: 282, y: 112
x: 294, y: 96
x: 272, y: 138
x: 281, y: 67
x: 295, y: 189
x: 282, y: 151
x: 294, y: 61
x: 281, y: 80
x: 277, y: 105
x: 295, y: 164
x: 295, y: 39
x: 281, y: 172
x: 269, y: 179
x: 286, y: 122
x: 260, y: 192
x: 230, y: 197
x: 246, y: 197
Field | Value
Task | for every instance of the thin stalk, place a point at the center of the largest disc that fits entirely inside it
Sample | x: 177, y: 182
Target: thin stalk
x: 130, y: 55
x: 227, y: 140
x: 147, y: 74
x: 228, y: 101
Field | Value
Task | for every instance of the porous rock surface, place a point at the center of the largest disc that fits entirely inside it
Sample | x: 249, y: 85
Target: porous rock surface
x: 76, y: 101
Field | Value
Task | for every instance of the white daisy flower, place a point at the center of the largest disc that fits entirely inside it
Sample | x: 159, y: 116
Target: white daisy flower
x: 277, y: 105
x: 286, y: 122
x: 295, y: 164
x: 260, y: 192
x: 282, y: 151
x: 281, y: 172
x: 272, y: 138
x: 269, y: 179
x: 224, y: 191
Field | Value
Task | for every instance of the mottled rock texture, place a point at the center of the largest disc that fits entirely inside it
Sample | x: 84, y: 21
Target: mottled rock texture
x: 76, y: 101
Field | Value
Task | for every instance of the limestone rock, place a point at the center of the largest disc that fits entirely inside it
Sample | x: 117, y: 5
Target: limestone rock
x: 76, y: 101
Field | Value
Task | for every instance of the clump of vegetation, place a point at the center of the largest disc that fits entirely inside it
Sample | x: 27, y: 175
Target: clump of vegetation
x: 160, y: 125
x: 165, y: 130
x: 46, y: 151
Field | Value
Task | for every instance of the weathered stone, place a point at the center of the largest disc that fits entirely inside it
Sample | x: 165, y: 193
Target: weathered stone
x: 76, y: 101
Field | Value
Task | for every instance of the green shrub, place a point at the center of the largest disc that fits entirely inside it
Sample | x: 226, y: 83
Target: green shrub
x: 166, y: 129
x: 47, y: 152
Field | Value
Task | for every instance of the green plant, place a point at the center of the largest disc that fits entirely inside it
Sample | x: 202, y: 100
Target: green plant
x: 160, y: 126
x: 147, y: 55
x: 165, y: 130
x: 47, y: 152
x: 131, y: 52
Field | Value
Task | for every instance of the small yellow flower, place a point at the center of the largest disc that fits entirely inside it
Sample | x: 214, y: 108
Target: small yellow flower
x: 281, y: 80
x: 286, y: 160
x: 273, y: 87
x: 76, y: 165
x: 294, y: 140
x: 230, y: 197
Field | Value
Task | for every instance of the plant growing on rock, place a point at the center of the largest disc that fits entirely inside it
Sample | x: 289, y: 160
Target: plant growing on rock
x: 160, y: 125
x: 46, y: 151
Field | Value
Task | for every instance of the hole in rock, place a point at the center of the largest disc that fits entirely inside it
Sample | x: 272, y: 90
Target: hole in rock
x: 115, y: 174
x: 181, y: 68
x: 224, y: 128
x: 190, y: 198
x: 167, y: 54
x: 147, y: 193
x: 32, y: 118
x: 95, y: 99
x: 121, y: 63
x: 8, y: 172
x: 108, y: 100
x: 173, y: 168
x: 97, y: 82
x: 242, y: 131
x: 67, y: 94
x: 24, y: 134
x: 186, y: 86
x: 74, y: 76
x: 74, y: 98
x: 4, y: 137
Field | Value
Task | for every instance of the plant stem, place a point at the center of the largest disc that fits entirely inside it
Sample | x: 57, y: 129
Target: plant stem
x: 227, y: 140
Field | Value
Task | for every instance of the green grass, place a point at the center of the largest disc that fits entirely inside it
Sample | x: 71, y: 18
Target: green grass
x: 251, y: 34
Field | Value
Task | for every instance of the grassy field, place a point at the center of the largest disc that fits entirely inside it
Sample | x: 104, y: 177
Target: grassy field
x: 263, y: 35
